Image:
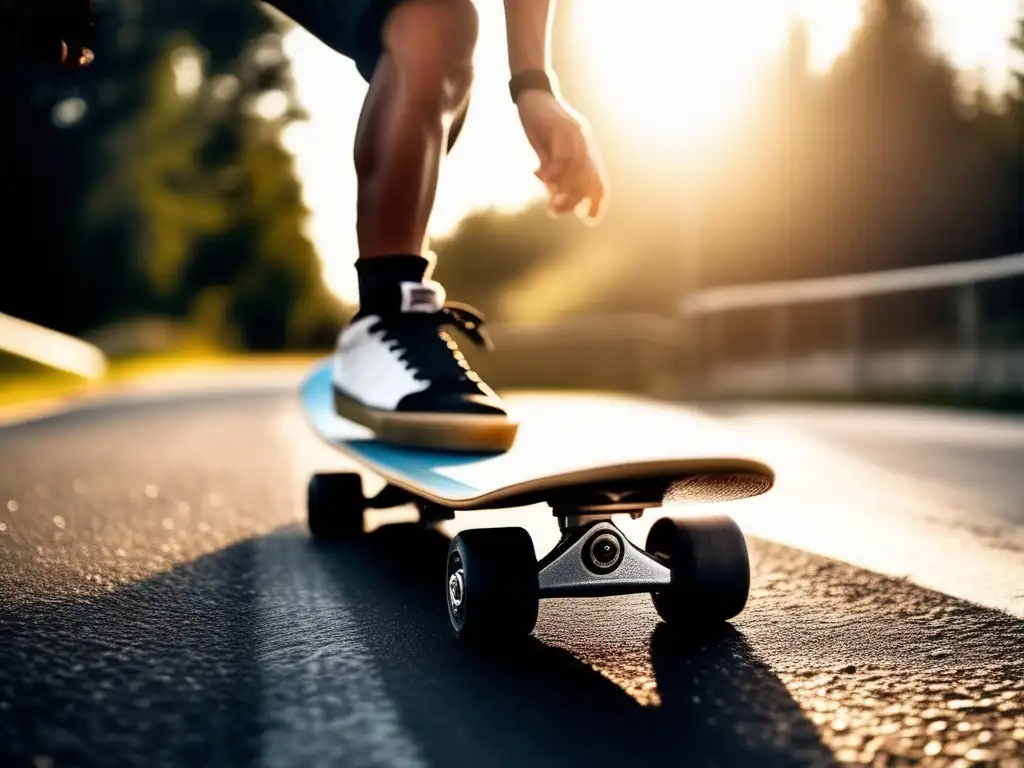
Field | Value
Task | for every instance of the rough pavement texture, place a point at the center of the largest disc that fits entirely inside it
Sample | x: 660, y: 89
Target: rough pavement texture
x: 161, y: 604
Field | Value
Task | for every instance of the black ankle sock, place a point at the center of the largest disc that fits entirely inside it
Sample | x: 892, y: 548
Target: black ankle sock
x: 380, y: 276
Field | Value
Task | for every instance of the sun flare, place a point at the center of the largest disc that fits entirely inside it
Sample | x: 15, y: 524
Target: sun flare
x: 678, y: 72
x: 672, y: 74
x: 666, y: 75
x: 666, y: 70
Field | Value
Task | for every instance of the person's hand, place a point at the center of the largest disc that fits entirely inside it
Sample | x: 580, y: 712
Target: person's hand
x: 570, y: 166
x: 57, y: 32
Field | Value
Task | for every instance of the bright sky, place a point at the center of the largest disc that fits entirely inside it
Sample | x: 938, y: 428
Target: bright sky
x: 704, y: 49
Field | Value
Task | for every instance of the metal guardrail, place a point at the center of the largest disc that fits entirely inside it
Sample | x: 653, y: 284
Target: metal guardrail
x: 790, y: 292
x: 851, y: 366
x: 622, y: 352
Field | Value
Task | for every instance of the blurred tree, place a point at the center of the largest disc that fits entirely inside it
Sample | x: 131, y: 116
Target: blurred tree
x: 896, y: 185
x: 161, y: 180
x: 222, y: 213
x: 761, y: 194
x: 491, y: 253
x: 1013, y: 144
x: 1000, y: 144
x: 44, y: 171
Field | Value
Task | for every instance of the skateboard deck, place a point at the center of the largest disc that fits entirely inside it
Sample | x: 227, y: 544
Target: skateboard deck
x: 570, y: 446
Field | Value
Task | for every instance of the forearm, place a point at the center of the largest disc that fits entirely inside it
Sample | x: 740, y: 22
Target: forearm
x: 528, y: 27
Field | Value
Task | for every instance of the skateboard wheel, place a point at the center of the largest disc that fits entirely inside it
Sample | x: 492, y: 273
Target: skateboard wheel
x: 710, y: 569
x: 335, y: 506
x: 491, y: 584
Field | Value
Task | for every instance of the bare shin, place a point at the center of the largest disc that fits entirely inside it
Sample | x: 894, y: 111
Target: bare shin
x: 420, y: 87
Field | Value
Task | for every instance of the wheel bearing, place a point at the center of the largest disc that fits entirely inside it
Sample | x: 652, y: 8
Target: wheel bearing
x: 603, y: 552
x: 456, y: 589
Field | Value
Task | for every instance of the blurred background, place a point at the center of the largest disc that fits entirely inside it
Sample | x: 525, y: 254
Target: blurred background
x: 809, y: 198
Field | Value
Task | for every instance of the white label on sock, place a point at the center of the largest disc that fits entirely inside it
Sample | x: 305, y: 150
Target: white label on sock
x: 427, y: 296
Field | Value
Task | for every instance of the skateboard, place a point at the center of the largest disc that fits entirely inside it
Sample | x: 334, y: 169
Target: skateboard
x: 589, y: 457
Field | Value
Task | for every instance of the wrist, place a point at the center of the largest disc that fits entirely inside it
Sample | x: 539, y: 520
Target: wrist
x: 532, y: 80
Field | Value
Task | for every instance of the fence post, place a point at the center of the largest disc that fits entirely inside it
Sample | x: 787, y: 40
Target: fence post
x: 780, y: 342
x: 689, y: 353
x: 713, y: 351
x: 855, y: 342
x: 968, y: 330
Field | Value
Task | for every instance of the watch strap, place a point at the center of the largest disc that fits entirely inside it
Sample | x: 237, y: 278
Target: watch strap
x: 530, y: 79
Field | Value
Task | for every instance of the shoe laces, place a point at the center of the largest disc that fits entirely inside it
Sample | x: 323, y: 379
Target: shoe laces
x: 414, y: 337
x: 468, y: 320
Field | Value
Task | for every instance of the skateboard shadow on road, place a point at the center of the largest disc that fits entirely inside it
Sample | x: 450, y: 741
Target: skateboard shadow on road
x: 192, y: 666
x: 529, y: 702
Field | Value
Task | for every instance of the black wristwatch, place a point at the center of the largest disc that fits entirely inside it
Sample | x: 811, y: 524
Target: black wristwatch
x: 530, y: 79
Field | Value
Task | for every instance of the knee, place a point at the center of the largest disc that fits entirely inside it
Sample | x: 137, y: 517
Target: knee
x: 432, y: 43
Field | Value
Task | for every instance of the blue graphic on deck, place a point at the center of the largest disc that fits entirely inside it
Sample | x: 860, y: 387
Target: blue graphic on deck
x: 417, y: 465
x: 420, y: 466
x: 562, y: 441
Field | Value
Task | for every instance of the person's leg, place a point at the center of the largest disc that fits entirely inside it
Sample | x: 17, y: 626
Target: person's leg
x: 395, y: 369
x: 419, y: 88
x: 417, y: 56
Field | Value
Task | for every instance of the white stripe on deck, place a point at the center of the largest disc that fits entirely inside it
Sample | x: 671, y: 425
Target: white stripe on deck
x: 937, y: 536
x: 314, y: 657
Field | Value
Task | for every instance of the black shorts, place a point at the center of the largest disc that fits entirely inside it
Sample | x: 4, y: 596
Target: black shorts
x: 353, y: 28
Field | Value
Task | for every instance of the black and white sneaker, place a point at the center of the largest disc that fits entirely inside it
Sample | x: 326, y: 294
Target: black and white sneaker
x: 397, y: 372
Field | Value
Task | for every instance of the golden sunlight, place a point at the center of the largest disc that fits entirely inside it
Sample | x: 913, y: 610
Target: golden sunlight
x: 667, y: 73
x: 673, y: 71
x: 975, y: 35
x: 676, y: 72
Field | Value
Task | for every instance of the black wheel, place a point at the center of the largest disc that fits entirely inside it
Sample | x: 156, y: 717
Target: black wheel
x: 335, y: 505
x: 491, y: 584
x: 710, y: 569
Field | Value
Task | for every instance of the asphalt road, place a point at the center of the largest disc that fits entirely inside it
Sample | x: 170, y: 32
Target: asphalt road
x: 162, y: 604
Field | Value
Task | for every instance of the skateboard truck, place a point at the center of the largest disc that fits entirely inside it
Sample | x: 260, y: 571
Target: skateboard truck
x: 696, y: 569
x: 594, y: 559
x: 388, y: 497
x: 346, y: 492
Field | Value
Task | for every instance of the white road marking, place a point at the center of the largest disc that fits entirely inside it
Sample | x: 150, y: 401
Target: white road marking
x: 324, y: 700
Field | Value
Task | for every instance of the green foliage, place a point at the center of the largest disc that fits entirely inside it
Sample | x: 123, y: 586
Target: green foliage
x: 134, y: 195
x: 172, y: 194
x: 491, y: 252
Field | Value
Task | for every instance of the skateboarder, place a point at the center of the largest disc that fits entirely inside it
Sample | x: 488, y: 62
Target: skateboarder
x: 393, y: 361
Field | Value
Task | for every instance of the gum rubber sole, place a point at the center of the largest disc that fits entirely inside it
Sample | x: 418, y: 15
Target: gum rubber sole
x: 470, y: 432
